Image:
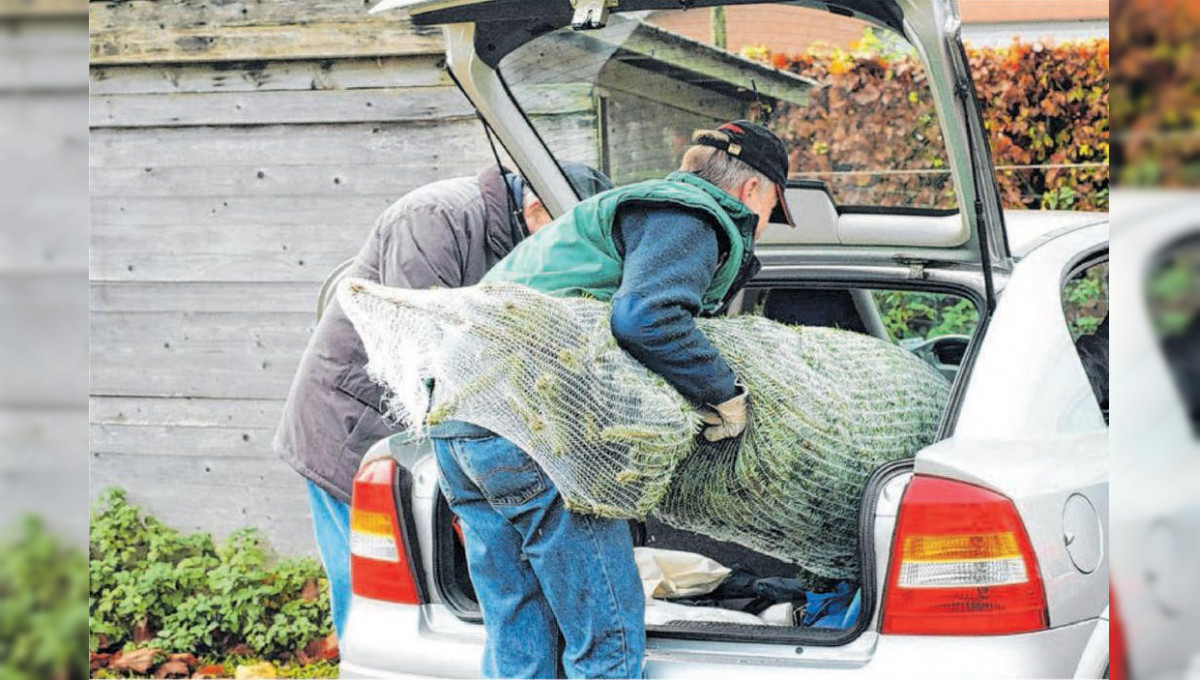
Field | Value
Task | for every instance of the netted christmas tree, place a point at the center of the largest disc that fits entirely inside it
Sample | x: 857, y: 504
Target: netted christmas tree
x: 827, y: 407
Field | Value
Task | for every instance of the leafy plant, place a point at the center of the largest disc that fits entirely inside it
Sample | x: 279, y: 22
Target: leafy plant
x: 42, y: 622
x: 152, y: 585
x: 870, y: 130
x: 908, y: 314
x: 1085, y: 300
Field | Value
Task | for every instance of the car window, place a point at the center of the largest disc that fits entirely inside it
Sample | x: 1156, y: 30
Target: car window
x: 913, y: 316
x: 1173, y: 295
x: 1085, y: 305
x: 851, y: 99
x: 910, y: 319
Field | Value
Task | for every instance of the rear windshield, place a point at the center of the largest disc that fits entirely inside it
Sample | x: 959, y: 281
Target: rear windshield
x: 850, y: 99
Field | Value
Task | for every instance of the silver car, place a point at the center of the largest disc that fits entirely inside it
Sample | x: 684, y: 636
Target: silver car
x: 986, y: 554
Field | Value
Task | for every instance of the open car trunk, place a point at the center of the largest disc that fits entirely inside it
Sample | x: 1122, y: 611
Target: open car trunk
x: 453, y: 584
x: 620, y: 86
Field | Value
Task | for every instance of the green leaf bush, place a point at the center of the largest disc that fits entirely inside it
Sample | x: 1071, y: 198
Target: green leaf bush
x: 42, y: 621
x: 152, y: 585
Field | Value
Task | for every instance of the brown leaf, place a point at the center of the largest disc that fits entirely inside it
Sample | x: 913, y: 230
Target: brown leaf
x: 137, y: 661
x: 141, y: 632
x: 310, y: 592
x: 241, y: 649
x: 172, y: 669
x: 188, y: 659
x: 98, y: 661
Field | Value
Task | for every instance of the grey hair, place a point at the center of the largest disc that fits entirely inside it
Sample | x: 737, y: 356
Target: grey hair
x: 718, y: 167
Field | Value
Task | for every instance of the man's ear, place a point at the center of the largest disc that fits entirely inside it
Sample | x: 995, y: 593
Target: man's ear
x: 750, y: 189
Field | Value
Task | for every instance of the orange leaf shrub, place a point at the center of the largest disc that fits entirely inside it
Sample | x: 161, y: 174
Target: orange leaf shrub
x: 871, y: 131
x: 1156, y: 110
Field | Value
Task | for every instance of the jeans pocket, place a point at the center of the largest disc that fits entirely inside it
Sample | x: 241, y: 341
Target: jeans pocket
x: 504, y: 473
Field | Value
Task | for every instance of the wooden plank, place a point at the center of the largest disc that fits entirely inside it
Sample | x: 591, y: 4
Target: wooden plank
x: 116, y: 15
x: 175, y: 440
x: 42, y: 470
x: 349, y: 179
x: 218, y: 355
x: 207, y: 472
x: 41, y: 9
x: 195, y: 413
x: 226, y: 252
x: 149, y: 31
x: 43, y: 148
x: 25, y: 38
x: 44, y: 73
x: 43, y: 340
x: 206, y: 296
x: 207, y: 213
x: 267, y: 76
x: 240, y: 267
x: 406, y: 145
x: 248, y: 43
x: 384, y: 105
x: 389, y: 105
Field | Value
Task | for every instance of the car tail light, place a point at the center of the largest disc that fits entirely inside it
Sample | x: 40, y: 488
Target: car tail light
x: 961, y: 564
x: 379, y: 562
x: 1118, y: 668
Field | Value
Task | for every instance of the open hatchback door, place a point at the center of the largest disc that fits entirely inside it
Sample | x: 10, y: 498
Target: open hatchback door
x: 619, y: 85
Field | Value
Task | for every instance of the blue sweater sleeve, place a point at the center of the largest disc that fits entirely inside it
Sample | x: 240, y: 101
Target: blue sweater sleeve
x: 670, y: 258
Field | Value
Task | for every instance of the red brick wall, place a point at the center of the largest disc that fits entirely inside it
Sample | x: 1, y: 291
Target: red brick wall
x: 792, y: 30
x: 987, y: 11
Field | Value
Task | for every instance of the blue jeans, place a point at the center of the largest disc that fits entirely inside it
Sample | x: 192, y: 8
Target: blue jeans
x: 331, y: 526
x: 540, y: 570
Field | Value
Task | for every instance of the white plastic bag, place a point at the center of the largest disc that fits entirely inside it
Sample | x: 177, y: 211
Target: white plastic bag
x: 674, y: 573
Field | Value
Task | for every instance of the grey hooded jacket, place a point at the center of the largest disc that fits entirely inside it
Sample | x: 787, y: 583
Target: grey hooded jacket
x: 447, y: 234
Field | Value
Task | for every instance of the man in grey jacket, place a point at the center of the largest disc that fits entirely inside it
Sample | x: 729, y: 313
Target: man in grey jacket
x: 448, y: 234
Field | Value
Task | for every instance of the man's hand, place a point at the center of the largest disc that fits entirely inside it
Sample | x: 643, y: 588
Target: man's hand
x: 728, y: 419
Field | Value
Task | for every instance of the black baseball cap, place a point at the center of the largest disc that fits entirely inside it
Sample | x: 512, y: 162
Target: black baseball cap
x: 757, y: 147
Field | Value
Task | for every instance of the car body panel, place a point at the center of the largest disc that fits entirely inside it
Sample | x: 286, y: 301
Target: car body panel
x: 1025, y: 383
x: 1156, y: 454
x: 437, y: 644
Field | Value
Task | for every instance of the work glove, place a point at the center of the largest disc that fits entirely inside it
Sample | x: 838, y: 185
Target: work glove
x: 727, y: 419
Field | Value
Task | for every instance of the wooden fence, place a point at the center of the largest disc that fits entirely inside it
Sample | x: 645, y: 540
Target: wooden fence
x: 239, y: 151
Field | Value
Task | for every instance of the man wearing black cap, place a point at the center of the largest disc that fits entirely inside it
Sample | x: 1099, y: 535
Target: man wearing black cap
x: 664, y: 252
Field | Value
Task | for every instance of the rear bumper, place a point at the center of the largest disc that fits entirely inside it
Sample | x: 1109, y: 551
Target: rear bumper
x: 399, y: 641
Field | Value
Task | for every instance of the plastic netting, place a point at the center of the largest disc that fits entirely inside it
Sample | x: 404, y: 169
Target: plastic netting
x: 827, y: 407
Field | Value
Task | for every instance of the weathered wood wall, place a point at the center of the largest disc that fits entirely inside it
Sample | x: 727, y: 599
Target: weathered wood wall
x: 43, y: 265
x: 239, y: 151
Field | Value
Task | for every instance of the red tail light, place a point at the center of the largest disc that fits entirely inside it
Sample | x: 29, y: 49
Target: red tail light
x: 379, y: 562
x: 1118, y: 668
x: 961, y: 564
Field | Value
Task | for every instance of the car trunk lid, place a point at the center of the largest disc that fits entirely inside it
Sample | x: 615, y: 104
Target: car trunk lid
x: 481, y: 32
